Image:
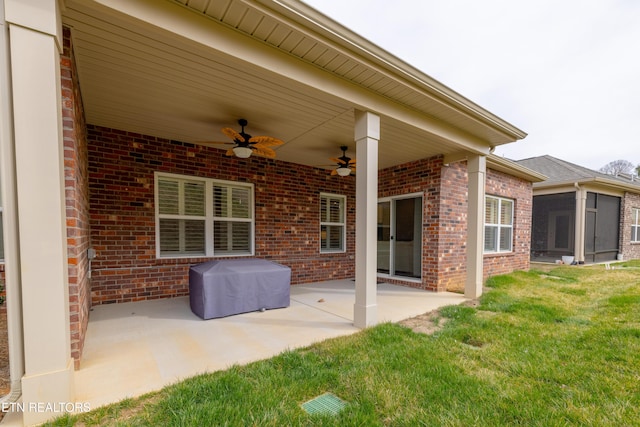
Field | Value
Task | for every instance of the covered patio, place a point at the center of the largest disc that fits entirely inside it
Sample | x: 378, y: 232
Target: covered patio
x: 131, y: 98
x: 138, y: 347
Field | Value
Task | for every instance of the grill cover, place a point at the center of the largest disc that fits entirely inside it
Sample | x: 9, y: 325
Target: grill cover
x: 225, y: 287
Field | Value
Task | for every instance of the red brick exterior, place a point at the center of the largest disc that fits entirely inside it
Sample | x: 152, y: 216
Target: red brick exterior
x: 77, y: 199
x: 521, y: 192
x: 422, y: 176
x: 629, y: 250
x: 122, y: 167
x: 444, y: 190
x: 452, y: 252
x: 287, y: 214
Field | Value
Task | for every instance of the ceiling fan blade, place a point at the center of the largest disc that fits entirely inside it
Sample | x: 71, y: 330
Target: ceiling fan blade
x: 266, y: 141
x: 258, y: 146
x: 264, y: 152
x: 230, y: 152
x: 334, y: 172
x: 233, y: 134
x: 336, y: 160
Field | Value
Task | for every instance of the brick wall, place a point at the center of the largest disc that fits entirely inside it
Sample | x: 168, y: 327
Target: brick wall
x: 422, y: 176
x: 444, y: 190
x: 521, y: 191
x: 452, y: 270
x: 77, y: 198
x: 122, y: 167
x: 287, y: 205
x: 629, y: 250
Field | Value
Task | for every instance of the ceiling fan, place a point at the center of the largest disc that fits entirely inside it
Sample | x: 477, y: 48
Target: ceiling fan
x: 246, y: 145
x: 345, y: 164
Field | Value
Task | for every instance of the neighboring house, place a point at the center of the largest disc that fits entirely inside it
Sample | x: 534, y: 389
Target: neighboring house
x: 109, y: 194
x: 579, y: 212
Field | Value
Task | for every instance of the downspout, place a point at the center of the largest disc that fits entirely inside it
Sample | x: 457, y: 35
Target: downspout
x: 580, y: 212
x: 10, y: 218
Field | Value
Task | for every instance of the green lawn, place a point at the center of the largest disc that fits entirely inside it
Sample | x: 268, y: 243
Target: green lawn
x: 552, y: 348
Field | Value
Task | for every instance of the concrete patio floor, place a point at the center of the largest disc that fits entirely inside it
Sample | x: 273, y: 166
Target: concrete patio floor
x: 134, y: 348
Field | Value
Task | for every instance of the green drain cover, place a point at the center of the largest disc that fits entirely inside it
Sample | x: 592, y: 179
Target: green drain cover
x: 325, y: 404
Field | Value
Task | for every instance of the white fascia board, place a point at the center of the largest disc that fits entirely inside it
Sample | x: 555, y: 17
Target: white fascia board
x: 602, y: 185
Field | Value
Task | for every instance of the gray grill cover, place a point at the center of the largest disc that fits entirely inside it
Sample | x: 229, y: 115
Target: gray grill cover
x: 226, y: 287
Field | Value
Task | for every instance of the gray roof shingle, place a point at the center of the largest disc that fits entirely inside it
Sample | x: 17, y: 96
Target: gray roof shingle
x: 558, y: 171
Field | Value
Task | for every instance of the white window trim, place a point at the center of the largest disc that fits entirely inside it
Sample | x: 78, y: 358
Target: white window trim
x: 635, y: 223
x: 343, y: 224
x: 209, y: 218
x: 500, y: 226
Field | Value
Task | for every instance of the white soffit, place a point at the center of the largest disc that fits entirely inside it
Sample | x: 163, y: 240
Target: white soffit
x: 140, y: 78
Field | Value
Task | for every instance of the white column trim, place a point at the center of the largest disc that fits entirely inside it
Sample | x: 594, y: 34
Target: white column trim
x: 34, y: 55
x: 10, y: 218
x: 367, y: 135
x: 476, y: 170
x: 580, y: 219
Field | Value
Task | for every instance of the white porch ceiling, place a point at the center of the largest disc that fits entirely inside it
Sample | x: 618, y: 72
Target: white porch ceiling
x: 139, y: 77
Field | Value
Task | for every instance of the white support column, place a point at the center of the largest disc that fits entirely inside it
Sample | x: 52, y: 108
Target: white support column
x: 367, y: 135
x: 476, y: 169
x: 581, y: 215
x: 35, y: 43
x: 10, y: 216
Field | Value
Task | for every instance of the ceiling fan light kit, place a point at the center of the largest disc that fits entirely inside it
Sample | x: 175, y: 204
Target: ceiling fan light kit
x: 343, y: 171
x: 242, y: 152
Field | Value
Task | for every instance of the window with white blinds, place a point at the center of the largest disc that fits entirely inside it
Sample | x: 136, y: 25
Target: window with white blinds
x: 332, y: 223
x: 498, y: 224
x: 635, y: 225
x: 203, y: 217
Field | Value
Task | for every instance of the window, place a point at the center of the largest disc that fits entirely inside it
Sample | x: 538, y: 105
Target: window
x: 232, y: 219
x: 498, y: 224
x: 332, y: 223
x: 203, y: 217
x: 635, y: 225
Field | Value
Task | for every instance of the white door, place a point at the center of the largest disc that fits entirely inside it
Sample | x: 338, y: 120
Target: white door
x: 400, y: 237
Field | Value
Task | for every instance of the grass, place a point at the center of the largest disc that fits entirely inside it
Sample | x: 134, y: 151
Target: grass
x: 556, y: 348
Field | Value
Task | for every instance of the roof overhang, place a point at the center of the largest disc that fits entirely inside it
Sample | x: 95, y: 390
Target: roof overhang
x: 514, y: 169
x: 593, y: 182
x: 184, y: 69
x: 500, y: 164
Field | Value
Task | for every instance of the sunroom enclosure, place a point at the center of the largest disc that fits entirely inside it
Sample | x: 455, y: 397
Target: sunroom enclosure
x: 584, y: 225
